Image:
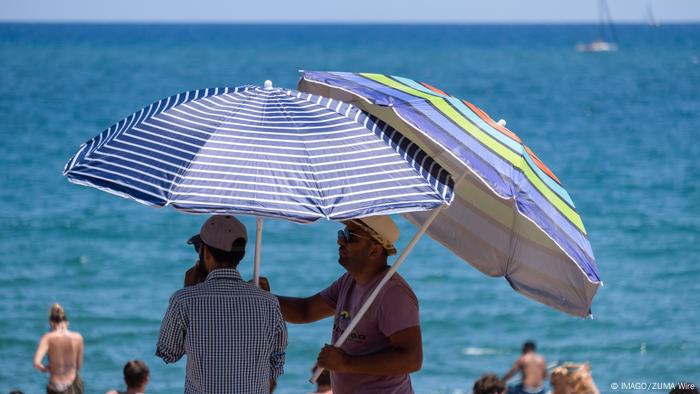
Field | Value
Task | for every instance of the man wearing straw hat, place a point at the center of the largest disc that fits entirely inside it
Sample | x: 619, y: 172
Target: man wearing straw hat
x: 386, y: 344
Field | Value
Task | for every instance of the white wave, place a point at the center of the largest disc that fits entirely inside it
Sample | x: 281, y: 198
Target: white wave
x: 478, y: 351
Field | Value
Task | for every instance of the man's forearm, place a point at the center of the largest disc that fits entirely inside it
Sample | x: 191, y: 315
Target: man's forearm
x: 293, y: 309
x: 389, y: 362
x: 508, y: 375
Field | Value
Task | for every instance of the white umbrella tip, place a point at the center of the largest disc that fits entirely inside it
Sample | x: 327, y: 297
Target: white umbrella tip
x: 502, y: 122
x: 268, y: 85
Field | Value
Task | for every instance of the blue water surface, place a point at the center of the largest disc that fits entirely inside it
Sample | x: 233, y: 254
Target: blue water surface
x: 619, y: 129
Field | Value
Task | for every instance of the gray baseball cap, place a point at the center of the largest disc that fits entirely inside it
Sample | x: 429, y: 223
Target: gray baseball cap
x: 220, y: 231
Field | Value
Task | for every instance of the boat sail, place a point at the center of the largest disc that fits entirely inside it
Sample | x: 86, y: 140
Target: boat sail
x: 651, y: 21
x: 606, y: 28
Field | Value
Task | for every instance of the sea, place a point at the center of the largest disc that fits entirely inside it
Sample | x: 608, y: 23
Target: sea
x: 620, y: 130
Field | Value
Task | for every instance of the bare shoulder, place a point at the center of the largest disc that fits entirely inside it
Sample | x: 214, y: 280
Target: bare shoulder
x: 76, y: 336
x: 531, y: 359
x: 45, y: 338
x: 49, y: 336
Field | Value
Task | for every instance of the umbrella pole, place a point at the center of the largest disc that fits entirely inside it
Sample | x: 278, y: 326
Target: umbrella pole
x: 258, y: 247
x: 355, y: 320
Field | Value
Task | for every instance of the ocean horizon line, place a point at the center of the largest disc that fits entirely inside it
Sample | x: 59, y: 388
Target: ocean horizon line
x: 344, y: 23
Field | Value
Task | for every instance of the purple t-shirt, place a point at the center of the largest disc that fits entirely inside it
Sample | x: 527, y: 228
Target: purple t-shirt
x: 394, y: 309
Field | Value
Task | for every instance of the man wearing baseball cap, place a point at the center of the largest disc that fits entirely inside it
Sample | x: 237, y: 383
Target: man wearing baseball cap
x: 386, y: 345
x: 233, y: 333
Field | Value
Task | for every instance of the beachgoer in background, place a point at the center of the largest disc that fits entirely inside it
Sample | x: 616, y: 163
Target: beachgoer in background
x: 65, y: 354
x: 558, y: 381
x: 533, y: 369
x: 489, y: 384
x: 232, y: 332
x: 685, y: 388
x: 135, y: 376
x: 386, y: 345
x: 572, y: 378
x: 323, y: 383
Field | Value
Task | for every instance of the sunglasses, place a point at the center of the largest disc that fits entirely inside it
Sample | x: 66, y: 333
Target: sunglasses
x: 346, y: 235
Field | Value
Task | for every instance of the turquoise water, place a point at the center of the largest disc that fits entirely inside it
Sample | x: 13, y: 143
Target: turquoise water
x: 619, y: 129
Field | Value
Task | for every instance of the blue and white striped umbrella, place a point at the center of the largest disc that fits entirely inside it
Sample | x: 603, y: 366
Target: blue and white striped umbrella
x: 264, y: 152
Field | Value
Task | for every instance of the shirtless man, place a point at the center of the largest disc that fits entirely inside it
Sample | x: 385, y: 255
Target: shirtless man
x: 533, y: 369
x: 65, y: 354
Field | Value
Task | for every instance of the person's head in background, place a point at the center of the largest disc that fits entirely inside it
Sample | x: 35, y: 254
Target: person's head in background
x: 571, y: 378
x: 489, y: 384
x: 136, y: 376
x: 558, y: 380
x: 529, y: 346
x: 57, y: 317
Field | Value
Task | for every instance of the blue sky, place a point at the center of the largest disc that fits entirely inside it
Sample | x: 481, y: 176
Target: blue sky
x: 318, y: 11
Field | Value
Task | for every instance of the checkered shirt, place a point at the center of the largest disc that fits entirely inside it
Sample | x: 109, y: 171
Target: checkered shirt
x: 232, y: 332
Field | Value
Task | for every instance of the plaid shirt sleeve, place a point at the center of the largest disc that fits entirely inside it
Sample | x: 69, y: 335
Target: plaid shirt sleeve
x: 279, y: 346
x: 171, y: 342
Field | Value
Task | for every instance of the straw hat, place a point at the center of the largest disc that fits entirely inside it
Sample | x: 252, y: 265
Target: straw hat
x: 382, y: 229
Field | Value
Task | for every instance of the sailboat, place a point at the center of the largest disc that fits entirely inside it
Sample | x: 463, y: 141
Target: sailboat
x: 605, y: 27
x: 651, y: 21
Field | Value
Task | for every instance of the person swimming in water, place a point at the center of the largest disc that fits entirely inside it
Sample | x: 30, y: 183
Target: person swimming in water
x: 65, y: 354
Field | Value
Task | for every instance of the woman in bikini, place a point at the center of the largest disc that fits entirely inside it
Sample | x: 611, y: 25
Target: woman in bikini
x: 65, y: 355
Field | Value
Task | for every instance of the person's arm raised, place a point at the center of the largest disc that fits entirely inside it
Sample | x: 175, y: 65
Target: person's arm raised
x: 301, y: 310
x: 195, y: 274
x: 304, y: 310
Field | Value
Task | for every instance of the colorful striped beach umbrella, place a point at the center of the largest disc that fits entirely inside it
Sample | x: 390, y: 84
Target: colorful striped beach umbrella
x: 511, y: 216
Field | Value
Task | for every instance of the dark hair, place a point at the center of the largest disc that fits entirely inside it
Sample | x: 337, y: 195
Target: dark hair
x: 529, y: 346
x: 229, y: 258
x: 57, y: 314
x: 489, y: 384
x: 135, y: 373
x: 684, y: 388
